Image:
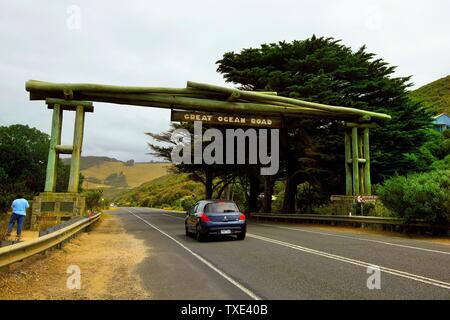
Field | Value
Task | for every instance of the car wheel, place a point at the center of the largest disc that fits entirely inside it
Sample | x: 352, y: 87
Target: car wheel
x: 198, y: 235
x: 188, y: 234
x: 240, y: 236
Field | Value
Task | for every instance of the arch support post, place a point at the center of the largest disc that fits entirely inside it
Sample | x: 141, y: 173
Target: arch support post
x: 55, y: 140
x: 58, y: 106
x: 357, y: 159
x: 62, y: 206
x: 74, y: 178
x: 348, y: 159
x: 367, y: 182
x: 355, y: 164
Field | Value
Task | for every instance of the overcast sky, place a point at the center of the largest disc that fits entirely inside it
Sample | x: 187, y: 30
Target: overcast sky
x: 166, y: 43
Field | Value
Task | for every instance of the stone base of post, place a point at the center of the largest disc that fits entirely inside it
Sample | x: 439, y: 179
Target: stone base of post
x: 51, y: 208
x: 343, y: 205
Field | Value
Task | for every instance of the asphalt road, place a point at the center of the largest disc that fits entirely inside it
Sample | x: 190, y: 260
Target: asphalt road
x: 284, y: 262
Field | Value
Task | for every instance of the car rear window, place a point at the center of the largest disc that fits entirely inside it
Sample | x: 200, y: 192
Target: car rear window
x: 221, y: 207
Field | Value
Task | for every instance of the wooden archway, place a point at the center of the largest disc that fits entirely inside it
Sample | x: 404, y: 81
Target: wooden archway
x: 78, y: 97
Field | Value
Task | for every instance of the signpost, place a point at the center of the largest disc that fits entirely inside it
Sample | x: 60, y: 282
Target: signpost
x: 363, y: 199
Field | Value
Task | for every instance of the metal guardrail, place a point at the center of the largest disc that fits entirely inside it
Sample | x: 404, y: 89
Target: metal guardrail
x: 60, y: 225
x: 333, y: 218
x: 26, y: 249
x: 337, y: 218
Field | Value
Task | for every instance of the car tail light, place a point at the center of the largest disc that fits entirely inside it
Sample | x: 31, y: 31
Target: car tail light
x: 242, y: 216
x: 203, y: 217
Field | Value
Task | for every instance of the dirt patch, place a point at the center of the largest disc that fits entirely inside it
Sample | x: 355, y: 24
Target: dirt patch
x: 106, y: 257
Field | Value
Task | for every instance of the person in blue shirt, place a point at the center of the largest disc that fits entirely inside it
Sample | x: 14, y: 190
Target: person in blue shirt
x: 19, y: 211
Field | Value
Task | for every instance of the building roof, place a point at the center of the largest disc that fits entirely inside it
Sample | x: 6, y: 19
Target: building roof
x: 440, y: 115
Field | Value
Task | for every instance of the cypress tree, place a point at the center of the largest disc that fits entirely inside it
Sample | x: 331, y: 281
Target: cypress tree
x: 324, y: 70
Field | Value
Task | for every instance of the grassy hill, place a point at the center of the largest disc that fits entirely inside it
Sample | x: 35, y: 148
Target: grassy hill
x: 436, y: 94
x: 134, y: 175
x: 172, y: 191
x: 116, y: 177
x: 89, y: 161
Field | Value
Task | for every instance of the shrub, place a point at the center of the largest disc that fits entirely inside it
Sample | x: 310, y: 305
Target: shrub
x: 278, y: 196
x: 324, y: 209
x: 309, y: 196
x: 171, y: 195
x: 169, y: 191
x: 5, y: 201
x: 166, y: 206
x: 379, y: 210
x: 419, y: 196
x: 187, y: 202
x: 94, y: 199
x: 4, y: 219
x: 148, y: 201
x: 442, y: 164
x: 436, y: 148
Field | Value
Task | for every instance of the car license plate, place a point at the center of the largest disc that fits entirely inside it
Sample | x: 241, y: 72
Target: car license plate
x: 225, y: 231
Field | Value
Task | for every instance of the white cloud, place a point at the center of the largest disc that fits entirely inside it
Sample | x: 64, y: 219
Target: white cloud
x: 165, y: 43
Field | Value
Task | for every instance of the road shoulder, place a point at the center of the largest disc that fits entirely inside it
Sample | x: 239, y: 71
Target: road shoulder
x: 105, y: 256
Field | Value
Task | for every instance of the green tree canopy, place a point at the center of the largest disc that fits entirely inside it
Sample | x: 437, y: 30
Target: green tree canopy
x: 23, y: 162
x: 215, y: 177
x: 326, y: 71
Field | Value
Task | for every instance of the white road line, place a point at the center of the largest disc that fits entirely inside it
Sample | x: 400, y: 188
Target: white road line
x: 356, y: 238
x: 172, y: 216
x: 398, y: 273
x: 395, y: 272
x: 206, y: 262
